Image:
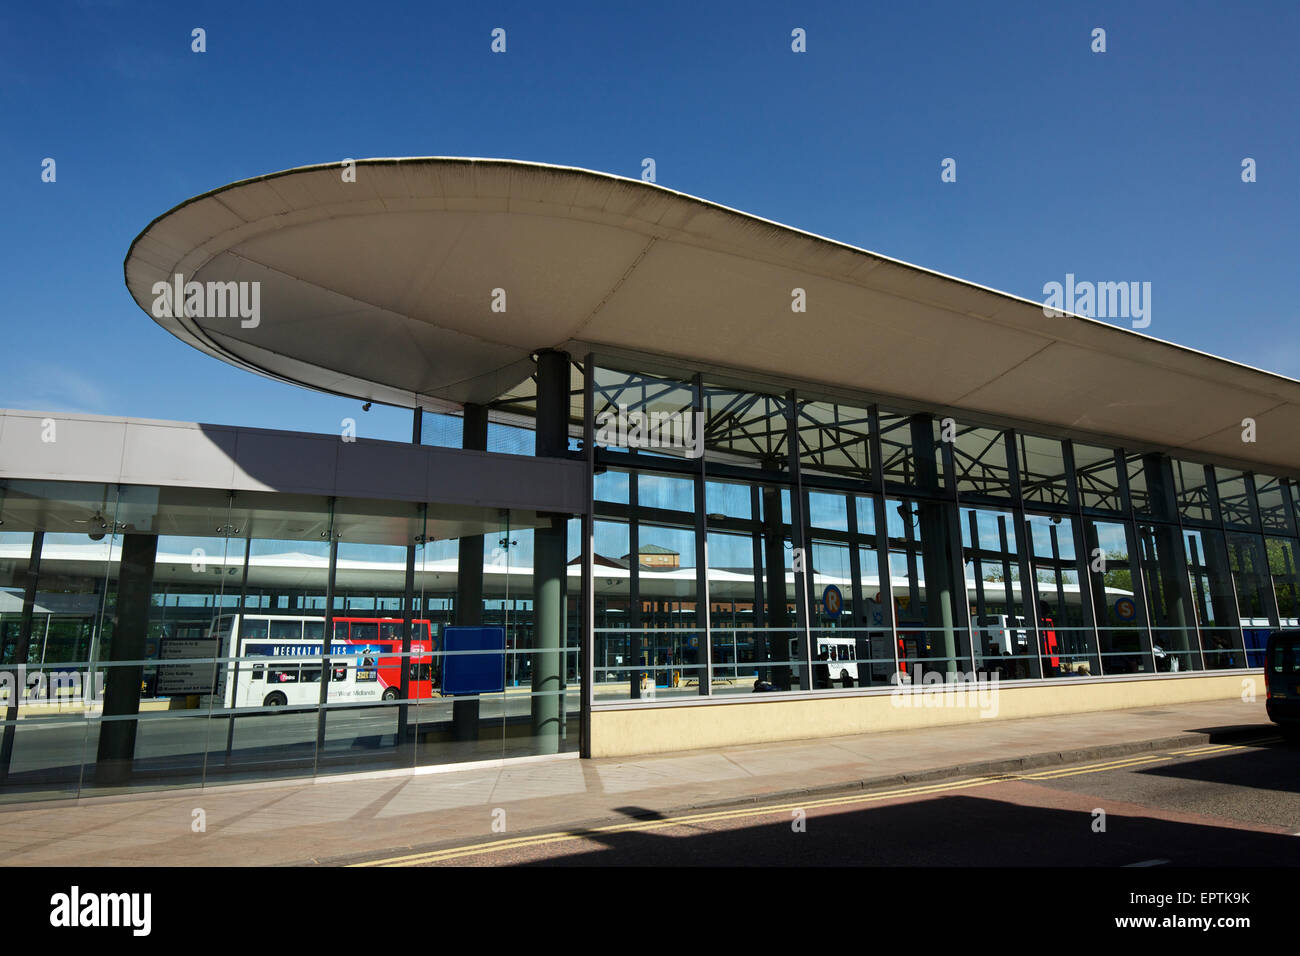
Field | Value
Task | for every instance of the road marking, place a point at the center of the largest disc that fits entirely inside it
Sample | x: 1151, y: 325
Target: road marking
x: 1092, y: 768
x: 646, y: 825
x: 1212, y: 748
x: 1207, y: 750
x: 1147, y: 863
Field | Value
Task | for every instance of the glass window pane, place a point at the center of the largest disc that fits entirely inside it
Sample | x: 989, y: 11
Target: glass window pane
x: 1214, y: 597
x: 737, y: 646
x: 1193, y: 491
x: 1168, y: 601
x: 1138, y: 493
x: 1234, y: 499
x: 828, y: 511
x: 666, y: 492
x: 834, y: 439
x: 1042, y: 470
x: 912, y: 447
x: 980, y: 462
x: 1272, y: 504
x: 728, y: 499
x: 921, y: 555
x: 1284, y: 566
x: 1098, y: 480
x: 1124, y: 644
x: 1065, y: 631
x: 1003, y: 639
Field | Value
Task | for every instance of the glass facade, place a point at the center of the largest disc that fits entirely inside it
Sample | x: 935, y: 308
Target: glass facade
x: 168, y: 637
x: 903, y: 547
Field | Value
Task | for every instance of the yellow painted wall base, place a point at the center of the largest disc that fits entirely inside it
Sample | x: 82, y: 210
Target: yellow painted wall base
x: 726, y: 722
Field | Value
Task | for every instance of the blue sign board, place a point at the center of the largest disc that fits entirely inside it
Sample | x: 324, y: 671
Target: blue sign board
x: 480, y: 672
x: 1125, y: 609
x: 832, y: 601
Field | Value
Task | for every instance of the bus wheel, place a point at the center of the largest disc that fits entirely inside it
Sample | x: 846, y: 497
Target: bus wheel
x: 275, y: 699
x: 390, y: 693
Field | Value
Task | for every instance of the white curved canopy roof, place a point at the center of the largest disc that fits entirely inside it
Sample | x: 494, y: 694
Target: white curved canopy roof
x: 382, y: 289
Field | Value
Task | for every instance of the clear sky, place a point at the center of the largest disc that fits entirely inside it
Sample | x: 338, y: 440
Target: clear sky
x: 1115, y: 166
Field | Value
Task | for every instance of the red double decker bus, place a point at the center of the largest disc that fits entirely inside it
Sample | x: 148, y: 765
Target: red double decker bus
x: 276, y: 660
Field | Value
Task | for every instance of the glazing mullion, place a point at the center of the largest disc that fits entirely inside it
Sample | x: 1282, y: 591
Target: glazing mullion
x: 1028, y: 591
x: 703, y: 622
x: 587, y: 635
x: 1082, y: 556
x: 798, y: 536
x: 882, y: 536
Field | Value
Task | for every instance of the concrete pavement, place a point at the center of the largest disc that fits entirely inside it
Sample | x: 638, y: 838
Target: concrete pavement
x: 332, y: 819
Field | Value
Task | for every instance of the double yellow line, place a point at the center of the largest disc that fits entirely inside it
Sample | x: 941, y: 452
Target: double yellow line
x: 643, y: 826
x: 438, y: 856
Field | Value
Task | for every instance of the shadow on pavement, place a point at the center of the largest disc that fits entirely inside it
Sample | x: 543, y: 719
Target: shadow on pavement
x: 947, y: 831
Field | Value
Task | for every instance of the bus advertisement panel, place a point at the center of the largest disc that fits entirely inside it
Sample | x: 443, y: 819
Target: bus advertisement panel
x: 277, y: 661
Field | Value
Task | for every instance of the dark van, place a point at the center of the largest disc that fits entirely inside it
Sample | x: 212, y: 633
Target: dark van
x: 1282, y: 679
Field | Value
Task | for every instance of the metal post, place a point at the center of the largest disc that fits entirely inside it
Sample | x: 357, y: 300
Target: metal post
x: 778, y: 612
x: 798, y: 536
x: 1009, y: 601
x: 233, y: 650
x: 981, y: 607
x: 408, y: 597
x: 21, y: 652
x: 634, y: 616
x: 1133, y: 543
x: 1082, y: 553
x: 586, y: 640
x: 951, y: 510
x: 327, y: 639
x: 936, y: 544
x: 1024, y: 551
x: 882, y: 535
x: 856, y: 618
x: 759, y: 621
x: 703, y: 621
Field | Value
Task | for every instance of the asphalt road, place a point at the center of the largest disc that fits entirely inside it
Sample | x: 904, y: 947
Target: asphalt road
x: 1212, y: 805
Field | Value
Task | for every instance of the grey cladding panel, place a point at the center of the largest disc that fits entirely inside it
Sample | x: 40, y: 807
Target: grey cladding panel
x: 139, y: 452
x: 179, y: 455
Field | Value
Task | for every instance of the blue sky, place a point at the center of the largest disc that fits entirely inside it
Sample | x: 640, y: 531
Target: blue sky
x: 1120, y: 166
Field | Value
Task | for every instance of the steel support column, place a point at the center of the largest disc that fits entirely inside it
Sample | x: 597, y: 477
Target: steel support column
x: 116, y: 751
x: 469, y: 577
x: 550, y: 567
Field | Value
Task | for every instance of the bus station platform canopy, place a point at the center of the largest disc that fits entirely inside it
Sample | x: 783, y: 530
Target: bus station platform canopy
x: 381, y: 285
